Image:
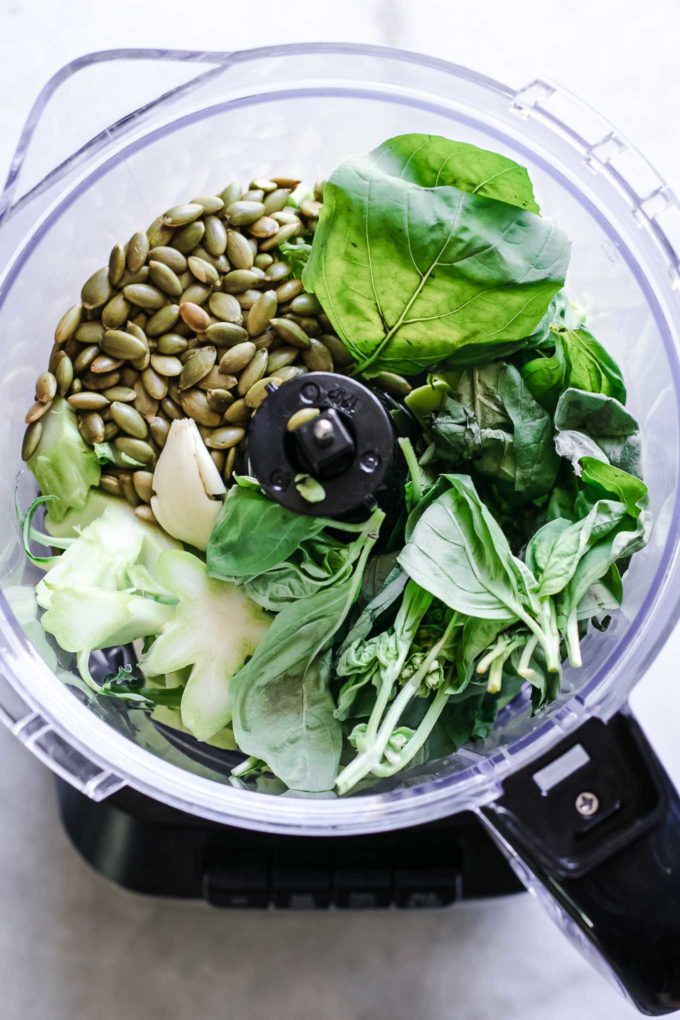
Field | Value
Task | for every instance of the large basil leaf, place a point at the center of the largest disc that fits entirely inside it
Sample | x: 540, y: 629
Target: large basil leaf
x: 432, y: 161
x: 411, y: 275
x: 536, y: 463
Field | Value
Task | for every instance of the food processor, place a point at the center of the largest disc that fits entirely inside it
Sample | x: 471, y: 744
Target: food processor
x: 571, y: 802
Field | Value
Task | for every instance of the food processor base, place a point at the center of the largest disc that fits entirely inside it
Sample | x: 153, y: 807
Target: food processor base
x: 147, y: 847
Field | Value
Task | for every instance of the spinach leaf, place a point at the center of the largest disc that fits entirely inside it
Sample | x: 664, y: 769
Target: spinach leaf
x: 579, y: 361
x: 252, y: 534
x: 605, y: 421
x: 409, y: 274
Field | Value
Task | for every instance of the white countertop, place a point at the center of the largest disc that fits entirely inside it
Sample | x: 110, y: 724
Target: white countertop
x: 72, y: 947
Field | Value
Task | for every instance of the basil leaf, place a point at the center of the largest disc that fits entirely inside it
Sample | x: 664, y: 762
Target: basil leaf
x: 579, y: 361
x: 536, y: 463
x: 252, y: 534
x: 411, y: 275
x: 611, y: 481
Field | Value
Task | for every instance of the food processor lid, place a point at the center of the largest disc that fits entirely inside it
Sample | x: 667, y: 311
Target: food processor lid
x: 573, y: 145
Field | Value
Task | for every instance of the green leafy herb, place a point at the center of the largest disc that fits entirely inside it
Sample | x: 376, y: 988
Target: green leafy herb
x: 409, y: 272
x: 64, y: 465
x: 578, y: 361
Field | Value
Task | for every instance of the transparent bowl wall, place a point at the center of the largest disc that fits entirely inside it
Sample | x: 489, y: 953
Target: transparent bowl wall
x: 301, y: 110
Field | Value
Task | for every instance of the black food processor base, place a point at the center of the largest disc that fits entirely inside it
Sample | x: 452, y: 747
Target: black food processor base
x: 149, y: 848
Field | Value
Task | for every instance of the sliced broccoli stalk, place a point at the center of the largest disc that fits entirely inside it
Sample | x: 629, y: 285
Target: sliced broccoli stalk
x: 64, y: 465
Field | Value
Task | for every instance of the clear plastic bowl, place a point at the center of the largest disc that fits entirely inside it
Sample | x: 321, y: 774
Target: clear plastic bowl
x: 178, y: 124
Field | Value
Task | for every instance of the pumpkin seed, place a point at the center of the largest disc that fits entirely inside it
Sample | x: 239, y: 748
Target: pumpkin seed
x: 286, y: 182
x: 216, y: 380
x: 277, y: 272
x: 138, y: 449
x: 230, y: 462
x: 289, y: 290
x: 86, y: 400
x: 76, y: 385
x: 281, y: 357
x: 159, y: 428
x: 116, y: 264
x: 262, y: 311
x: 137, y: 330
x: 101, y: 381
x: 264, y: 227
x: 85, y: 358
x: 301, y: 417
x: 180, y: 215
x: 146, y: 514
x: 317, y: 358
x: 92, y: 428
x: 258, y: 391
x: 238, y: 412
x: 209, y: 203
x: 285, y: 232
x: 166, y: 366
x: 45, y: 387
x: 31, y: 440
x: 68, y: 324
x: 290, y: 372
x: 195, y: 405
x: 311, y: 208
x: 305, y: 304
x: 186, y: 238
x: 127, y: 488
x: 154, y: 385
x: 291, y: 333
x: 319, y: 187
x: 285, y: 216
x: 137, y: 251
x: 239, y: 280
x: 215, y: 237
x: 36, y: 411
x: 163, y: 320
x: 64, y: 375
x: 165, y: 278
x: 393, y: 383
x: 141, y: 276
x: 248, y: 299
x: 219, y: 459
x: 341, y: 356
x: 144, y: 402
x: 254, y: 371
x: 224, y: 438
x: 306, y: 322
x: 276, y: 200
x: 97, y: 290
x: 202, y: 270
x: 115, y: 312
x: 121, y: 393
x: 171, y: 343
x: 129, y: 420
x: 226, y: 334
x: 141, y: 363
x: 195, y: 294
x: 103, y: 364
x: 158, y: 234
x: 225, y: 307
x: 239, y: 252
x: 89, y: 333
x: 110, y: 485
x: 144, y: 295
x: 170, y: 257
x: 170, y: 409
x: 140, y: 320
x: 122, y: 344
x: 263, y: 261
x: 231, y: 193
x: 263, y: 183
x: 236, y: 358
x: 110, y: 430
x: 325, y: 323
x: 265, y: 341
x: 198, y: 366
x: 219, y: 400
x: 243, y: 212
x: 194, y: 316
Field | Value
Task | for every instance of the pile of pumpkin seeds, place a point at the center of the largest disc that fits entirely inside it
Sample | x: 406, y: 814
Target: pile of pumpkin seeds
x: 192, y: 318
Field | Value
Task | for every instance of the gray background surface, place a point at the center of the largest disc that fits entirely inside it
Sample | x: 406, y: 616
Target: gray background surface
x: 73, y: 947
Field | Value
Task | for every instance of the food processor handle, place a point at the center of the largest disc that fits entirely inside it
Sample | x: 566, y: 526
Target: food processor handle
x: 593, y: 830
